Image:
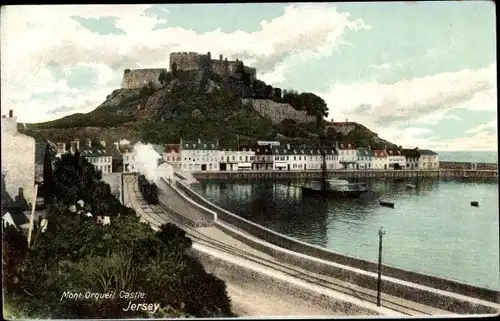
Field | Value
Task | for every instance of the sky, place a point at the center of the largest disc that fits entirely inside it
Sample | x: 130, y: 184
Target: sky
x: 418, y: 74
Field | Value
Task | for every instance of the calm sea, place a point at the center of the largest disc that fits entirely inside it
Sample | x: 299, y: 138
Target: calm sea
x: 464, y: 156
x: 433, y: 230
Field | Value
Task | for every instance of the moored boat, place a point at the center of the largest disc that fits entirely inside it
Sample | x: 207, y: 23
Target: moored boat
x: 335, y: 188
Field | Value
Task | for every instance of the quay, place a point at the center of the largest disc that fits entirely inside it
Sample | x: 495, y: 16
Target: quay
x: 348, y: 174
x: 250, y: 255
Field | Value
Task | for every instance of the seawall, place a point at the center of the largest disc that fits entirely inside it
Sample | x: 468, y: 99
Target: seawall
x: 349, y: 174
x: 267, y: 284
x: 354, y: 270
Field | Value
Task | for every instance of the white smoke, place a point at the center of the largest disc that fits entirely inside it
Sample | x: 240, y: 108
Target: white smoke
x: 146, y: 163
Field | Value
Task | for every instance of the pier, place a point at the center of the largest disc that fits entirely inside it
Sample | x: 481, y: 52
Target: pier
x: 348, y: 174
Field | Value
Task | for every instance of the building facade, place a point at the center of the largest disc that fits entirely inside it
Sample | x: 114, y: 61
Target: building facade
x: 264, y: 157
x: 412, y: 157
x: 428, y: 159
x: 365, y: 158
x: 172, y: 155
x: 396, y: 158
x: 347, y: 155
x: 200, y: 156
x: 18, y: 164
x: 97, y: 154
x: 380, y: 159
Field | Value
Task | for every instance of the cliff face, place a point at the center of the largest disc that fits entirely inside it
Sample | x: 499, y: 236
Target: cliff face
x: 278, y: 112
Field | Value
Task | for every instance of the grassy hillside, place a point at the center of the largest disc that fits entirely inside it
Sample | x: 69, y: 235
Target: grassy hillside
x: 190, y: 106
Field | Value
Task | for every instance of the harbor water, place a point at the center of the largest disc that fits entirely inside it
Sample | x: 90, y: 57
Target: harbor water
x: 432, y: 229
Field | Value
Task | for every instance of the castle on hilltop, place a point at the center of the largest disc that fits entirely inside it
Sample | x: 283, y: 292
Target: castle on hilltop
x: 186, y: 61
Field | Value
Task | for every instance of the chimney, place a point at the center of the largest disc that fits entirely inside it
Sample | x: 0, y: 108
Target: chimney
x: 77, y: 142
x: 220, y: 57
x: 11, y: 113
x: 199, y: 141
x: 287, y: 146
x: 103, y: 143
x: 346, y: 120
x: 116, y: 144
x: 88, y: 142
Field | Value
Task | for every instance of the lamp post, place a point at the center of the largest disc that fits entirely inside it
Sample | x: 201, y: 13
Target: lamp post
x: 379, y: 280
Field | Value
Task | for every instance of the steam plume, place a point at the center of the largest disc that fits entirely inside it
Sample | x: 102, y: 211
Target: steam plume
x: 147, y: 160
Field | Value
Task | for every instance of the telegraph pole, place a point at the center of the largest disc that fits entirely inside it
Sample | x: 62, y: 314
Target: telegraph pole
x: 379, y: 280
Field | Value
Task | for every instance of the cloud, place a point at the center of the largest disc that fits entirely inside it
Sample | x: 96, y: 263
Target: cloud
x: 481, y: 128
x: 404, y: 102
x: 35, y: 38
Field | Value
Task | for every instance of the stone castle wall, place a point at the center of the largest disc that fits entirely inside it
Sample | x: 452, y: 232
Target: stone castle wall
x: 185, y: 61
x: 277, y: 112
x: 138, y: 78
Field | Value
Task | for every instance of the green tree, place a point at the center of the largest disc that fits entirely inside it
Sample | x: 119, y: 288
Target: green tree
x: 76, y: 253
x: 162, y: 78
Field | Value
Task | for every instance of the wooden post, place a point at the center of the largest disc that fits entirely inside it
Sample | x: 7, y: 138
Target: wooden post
x: 379, y: 279
x: 32, y: 218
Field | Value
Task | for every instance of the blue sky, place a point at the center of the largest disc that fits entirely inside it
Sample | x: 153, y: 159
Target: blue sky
x: 420, y: 74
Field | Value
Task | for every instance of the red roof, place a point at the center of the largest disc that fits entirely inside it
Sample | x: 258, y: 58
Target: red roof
x: 171, y: 147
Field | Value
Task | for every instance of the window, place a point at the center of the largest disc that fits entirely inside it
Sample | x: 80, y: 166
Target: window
x: 287, y: 158
x: 241, y: 158
x: 294, y: 158
x: 233, y: 158
x: 276, y: 157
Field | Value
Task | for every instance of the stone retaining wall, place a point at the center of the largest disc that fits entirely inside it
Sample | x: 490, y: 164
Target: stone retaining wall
x: 324, y: 254
x: 238, y: 274
x: 210, y: 216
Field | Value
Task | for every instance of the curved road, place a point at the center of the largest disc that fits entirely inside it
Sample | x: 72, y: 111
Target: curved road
x: 215, y: 239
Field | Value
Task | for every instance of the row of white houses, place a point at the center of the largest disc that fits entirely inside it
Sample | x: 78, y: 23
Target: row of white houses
x: 195, y: 156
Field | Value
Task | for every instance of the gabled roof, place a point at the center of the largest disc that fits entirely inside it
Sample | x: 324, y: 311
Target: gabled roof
x: 363, y: 151
x: 346, y: 145
x: 394, y: 152
x: 306, y: 151
x: 169, y: 148
x: 195, y: 145
x: 427, y: 152
x: 411, y: 153
x: 379, y: 153
x: 95, y: 150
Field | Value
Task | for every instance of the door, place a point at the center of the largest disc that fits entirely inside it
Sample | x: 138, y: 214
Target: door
x: 288, y: 166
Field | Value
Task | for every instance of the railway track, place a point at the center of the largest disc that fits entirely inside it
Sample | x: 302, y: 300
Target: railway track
x: 157, y: 216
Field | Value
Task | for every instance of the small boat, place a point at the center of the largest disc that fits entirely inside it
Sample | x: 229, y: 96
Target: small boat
x: 335, y: 188
x: 410, y: 186
x: 386, y: 204
x: 474, y: 203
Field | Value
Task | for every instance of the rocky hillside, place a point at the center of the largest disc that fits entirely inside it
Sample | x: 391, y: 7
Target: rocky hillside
x: 199, y: 104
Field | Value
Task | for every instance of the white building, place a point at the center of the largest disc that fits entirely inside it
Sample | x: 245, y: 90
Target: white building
x: 412, y: 157
x: 97, y: 155
x: 200, y: 156
x: 18, y: 164
x: 236, y: 160
x: 380, y: 159
x: 172, y: 155
x: 263, y: 158
x: 365, y: 158
x: 396, y: 158
x: 348, y: 155
x: 428, y: 159
x: 301, y: 158
x: 128, y: 157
